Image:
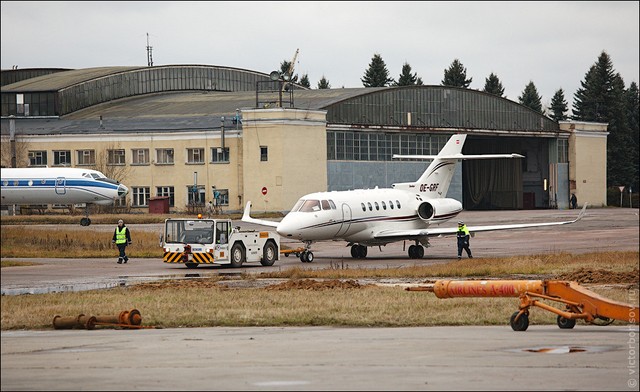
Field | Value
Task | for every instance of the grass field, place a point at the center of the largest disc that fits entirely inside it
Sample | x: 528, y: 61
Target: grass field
x: 210, y: 302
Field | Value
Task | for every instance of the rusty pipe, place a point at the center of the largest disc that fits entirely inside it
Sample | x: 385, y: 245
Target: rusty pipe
x: 125, y: 318
x: 79, y: 322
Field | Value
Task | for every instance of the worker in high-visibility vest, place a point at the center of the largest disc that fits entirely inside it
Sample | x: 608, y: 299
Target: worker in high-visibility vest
x: 122, y: 238
x: 463, y: 240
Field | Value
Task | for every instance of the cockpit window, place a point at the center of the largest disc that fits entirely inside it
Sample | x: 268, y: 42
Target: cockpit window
x: 92, y: 175
x: 325, y: 205
x: 333, y: 205
x: 296, y: 207
x: 310, y: 206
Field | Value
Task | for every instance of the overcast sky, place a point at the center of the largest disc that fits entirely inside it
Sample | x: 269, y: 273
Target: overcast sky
x: 552, y: 44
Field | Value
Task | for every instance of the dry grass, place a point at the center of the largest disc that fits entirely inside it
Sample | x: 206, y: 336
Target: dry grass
x: 54, y: 218
x: 545, y: 265
x: 209, y: 302
x: 29, y: 242
x: 206, y: 307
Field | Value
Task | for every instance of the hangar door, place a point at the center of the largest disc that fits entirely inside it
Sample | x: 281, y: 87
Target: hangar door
x: 492, y: 184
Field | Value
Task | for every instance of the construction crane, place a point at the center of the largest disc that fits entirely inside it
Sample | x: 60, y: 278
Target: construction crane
x: 289, y: 74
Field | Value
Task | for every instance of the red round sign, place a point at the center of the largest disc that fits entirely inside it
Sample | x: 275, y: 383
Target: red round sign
x: 264, y: 190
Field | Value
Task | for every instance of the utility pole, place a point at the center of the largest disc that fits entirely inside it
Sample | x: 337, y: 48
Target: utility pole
x: 149, y: 56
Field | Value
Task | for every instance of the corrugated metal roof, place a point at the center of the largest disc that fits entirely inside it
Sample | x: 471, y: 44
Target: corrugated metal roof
x: 60, y: 80
x: 194, y: 103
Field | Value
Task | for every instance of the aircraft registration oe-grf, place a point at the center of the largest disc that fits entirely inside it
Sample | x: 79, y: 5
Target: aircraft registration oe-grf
x: 379, y: 216
x: 59, y: 185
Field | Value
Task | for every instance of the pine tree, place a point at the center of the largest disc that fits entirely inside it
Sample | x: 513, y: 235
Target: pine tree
x: 493, y: 86
x: 323, y: 83
x: 408, y: 79
x: 377, y: 75
x: 284, y: 70
x: 456, y: 75
x: 603, y: 98
x: 559, y: 106
x: 304, y: 81
x: 633, y: 112
x: 530, y: 98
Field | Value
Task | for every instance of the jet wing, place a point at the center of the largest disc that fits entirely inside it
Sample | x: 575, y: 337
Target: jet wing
x: 421, y: 233
x: 247, y: 218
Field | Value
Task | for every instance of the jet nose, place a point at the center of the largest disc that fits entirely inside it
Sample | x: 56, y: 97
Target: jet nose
x: 122, y: 190
x: 286, y: 228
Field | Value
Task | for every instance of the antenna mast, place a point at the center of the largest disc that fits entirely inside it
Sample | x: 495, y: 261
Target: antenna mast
x: 149, y: 56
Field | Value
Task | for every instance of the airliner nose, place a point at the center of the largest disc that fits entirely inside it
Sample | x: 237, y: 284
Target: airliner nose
x: 122, y: 190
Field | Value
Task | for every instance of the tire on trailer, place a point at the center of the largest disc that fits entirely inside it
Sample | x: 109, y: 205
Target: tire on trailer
x: 191, y: 265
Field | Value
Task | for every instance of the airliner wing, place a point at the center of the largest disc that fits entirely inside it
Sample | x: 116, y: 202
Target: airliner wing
x: 421, y: 233
x: 247, y: 218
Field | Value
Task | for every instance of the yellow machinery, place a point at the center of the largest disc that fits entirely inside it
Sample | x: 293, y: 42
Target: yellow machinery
x: 580, y: 302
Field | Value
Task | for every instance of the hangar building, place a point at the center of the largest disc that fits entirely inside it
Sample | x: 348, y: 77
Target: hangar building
x: 184, y: 131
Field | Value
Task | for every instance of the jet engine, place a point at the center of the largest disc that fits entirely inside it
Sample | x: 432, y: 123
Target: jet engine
x: 438, y: 210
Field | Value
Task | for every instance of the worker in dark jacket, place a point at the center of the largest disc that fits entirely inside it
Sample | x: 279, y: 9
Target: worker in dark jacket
x: 463, y: 240
x: 122, y: 238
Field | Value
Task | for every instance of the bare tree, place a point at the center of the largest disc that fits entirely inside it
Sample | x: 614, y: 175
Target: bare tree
x: 22, y: 152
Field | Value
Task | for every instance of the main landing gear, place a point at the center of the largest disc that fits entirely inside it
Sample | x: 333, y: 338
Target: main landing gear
x: 358, y: 251
x: 416, y: 251
x: 85, y: 221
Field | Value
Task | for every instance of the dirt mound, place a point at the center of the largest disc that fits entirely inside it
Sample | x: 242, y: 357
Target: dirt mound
x: 589, y: 275
x: 310, y: 284
x: 181, y: 283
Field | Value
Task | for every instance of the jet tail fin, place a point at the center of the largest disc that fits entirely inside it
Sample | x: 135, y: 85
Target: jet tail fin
x: 434, y: 182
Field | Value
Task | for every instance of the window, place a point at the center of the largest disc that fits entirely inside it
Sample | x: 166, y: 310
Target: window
x: 325, y: 205
x: 364, y: 208
x: 140, y: 196
x: 390, y: 204
x: 37, y: 158
x: 398, y: 204
x: 115, y: 157
x: 167, y: 191
x: 370, y: 207
x: 164, y: 156
x: 310, y: 206
x: 140, y: 156
x: 223, y: 197
x: 264, y: 153
x: 196, y: 194
x: 563, y: 151
x: 195, y: 155
x: 384, y: 205
x: 219, y: 154
x: 62, y: 158
x: 377, y: 205
x: 86, y: 157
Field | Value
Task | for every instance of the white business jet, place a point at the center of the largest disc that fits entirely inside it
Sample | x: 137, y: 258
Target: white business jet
x: 59, y: 185
x: 375, y: 217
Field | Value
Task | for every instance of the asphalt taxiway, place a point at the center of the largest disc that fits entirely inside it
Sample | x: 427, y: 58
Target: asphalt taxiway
x: 320, y: 358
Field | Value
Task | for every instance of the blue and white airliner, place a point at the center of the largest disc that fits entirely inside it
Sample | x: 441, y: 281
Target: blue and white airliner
x: 379, y: 216
x: 59, y: 185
